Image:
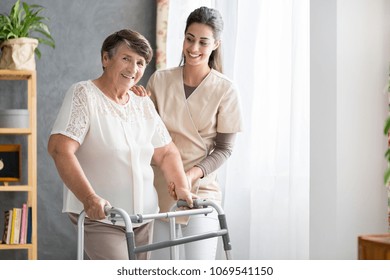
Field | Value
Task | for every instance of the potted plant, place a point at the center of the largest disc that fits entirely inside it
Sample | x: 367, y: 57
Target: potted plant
x: 20, y: 33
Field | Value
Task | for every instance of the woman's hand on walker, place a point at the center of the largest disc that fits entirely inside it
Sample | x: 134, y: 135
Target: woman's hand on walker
x: 181, y: 193
x: 94, y: 207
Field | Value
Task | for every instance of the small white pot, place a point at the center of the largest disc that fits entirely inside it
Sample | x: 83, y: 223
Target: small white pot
x: 14, y: 118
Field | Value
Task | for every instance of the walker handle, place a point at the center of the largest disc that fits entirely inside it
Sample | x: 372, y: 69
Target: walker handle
x: 107, y: 209
x: 197, y: 203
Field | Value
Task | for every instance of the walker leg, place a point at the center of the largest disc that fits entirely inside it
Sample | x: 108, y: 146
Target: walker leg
x: 131, y: 245
x: 172, y: 231
x: 80, y: 236
x: 225, y: 238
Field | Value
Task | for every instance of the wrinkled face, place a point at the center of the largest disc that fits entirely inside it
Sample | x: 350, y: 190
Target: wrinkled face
x: 125, y: 68
x: 198, y: 44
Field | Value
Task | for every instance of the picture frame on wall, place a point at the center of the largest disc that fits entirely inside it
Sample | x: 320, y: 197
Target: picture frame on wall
x: 10, y: 163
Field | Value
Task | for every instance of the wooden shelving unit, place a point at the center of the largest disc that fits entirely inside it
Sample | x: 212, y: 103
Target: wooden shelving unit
x: 31, y: 133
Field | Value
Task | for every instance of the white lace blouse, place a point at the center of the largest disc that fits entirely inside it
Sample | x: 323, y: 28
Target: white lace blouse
x: 116, y: 146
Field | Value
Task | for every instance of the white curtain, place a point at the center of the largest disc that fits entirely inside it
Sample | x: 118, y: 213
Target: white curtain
x: 266, y: 181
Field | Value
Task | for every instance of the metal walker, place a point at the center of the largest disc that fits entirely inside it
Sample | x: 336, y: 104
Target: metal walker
x: 201, y: 207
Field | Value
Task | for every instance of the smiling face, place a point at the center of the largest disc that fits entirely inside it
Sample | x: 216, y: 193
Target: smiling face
x: 125, y: 68
x: 199, y: 43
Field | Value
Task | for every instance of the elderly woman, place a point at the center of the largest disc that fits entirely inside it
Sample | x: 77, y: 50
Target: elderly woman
x: 103, y: 142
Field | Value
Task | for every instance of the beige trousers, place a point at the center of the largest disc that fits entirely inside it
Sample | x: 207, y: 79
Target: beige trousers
x: 108, y: 242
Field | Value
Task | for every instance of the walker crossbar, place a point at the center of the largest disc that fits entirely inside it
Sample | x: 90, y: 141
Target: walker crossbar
x: 179, y: 241
x: 139, y: 218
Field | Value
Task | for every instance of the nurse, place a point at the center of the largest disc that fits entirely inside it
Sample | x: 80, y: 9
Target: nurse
x: 201, y: 110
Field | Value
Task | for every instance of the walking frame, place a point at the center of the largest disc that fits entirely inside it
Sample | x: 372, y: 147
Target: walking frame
x: 201, y: 207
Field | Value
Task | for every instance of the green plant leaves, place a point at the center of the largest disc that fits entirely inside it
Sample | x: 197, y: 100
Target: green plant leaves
x: 387, y: 126
x: 387, y: 176
x: 25, y: 21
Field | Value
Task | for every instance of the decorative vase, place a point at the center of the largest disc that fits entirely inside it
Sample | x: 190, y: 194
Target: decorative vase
x: 18, y: 54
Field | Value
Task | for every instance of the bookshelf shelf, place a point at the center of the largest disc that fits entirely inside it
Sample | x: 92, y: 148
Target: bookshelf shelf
x: 16, y: 74
x: 11, y: 131
x: 16, y: 188
x: 31, y: 134
x: 16, y: 246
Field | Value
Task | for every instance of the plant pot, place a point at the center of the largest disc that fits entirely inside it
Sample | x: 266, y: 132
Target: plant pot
x: 18, y: 54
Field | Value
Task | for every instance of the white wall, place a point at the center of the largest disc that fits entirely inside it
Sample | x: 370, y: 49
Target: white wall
x: 350, y: 54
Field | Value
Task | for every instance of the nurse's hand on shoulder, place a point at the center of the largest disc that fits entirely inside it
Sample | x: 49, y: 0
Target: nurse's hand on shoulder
x: 139, y: 90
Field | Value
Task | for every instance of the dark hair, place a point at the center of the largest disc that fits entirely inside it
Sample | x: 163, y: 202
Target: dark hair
x: 213, y: 19
x: 132, y: 39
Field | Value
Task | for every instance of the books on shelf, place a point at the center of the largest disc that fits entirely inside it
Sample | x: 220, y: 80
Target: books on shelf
x: 29, y: 225
x: 16, y: 221
x: 23, y: 226
x: 17, y: 225
x: 7, y: 227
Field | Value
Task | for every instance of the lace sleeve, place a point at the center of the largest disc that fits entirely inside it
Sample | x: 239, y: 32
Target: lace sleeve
x: 73, y: 118
x: 78, y: 121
